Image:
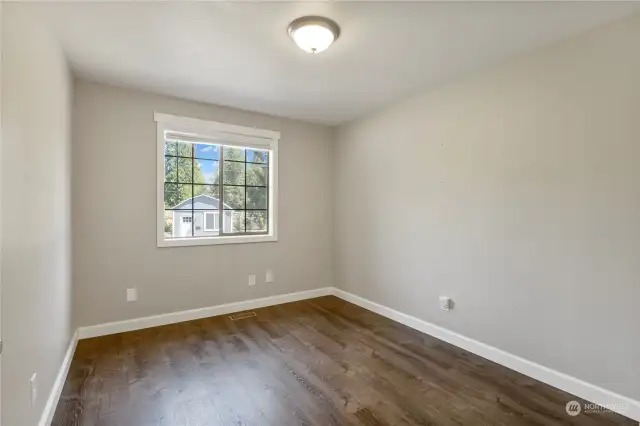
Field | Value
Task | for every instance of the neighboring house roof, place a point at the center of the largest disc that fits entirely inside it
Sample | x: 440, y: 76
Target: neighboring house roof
x: 201, y: 202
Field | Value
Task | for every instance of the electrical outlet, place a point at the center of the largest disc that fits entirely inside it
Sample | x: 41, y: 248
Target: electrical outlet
x: 252, y: 280
x: 33, y: 386
x: 132, y: 294
x: 269, y: 276
x: 446, y: 304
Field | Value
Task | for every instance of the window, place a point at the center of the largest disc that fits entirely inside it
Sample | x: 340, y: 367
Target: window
x: 217, y: 183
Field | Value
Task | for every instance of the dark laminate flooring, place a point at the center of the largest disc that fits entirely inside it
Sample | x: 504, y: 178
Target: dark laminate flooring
x: 317, y: 362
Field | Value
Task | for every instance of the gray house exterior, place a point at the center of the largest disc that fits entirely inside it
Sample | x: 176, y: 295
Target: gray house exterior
x: 205, y: 221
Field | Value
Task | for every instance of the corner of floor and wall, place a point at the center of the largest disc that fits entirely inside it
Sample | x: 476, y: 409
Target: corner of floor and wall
x: 513, y: 191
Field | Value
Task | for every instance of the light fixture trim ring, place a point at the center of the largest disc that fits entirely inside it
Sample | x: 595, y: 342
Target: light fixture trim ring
x: 303, y: 21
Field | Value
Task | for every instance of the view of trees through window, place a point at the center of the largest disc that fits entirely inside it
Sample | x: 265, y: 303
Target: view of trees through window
x: 195, y: 183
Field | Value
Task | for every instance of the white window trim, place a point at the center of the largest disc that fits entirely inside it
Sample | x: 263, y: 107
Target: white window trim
x: 219, y: 133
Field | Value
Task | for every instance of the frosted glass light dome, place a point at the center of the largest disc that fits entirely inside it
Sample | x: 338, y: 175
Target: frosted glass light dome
x: 314, y: 34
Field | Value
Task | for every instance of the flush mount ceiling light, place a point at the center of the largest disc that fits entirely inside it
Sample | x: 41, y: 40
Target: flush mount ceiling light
x: 314, y: 34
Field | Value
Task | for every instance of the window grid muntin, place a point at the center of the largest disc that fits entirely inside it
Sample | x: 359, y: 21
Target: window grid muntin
x: 213, y: 184
x: 193, y: 192
x: 245, y: 191
x: 214, y: 159
x: 265, y: 165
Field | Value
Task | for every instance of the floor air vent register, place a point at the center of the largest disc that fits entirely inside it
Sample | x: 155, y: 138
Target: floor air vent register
x: 242, y: 315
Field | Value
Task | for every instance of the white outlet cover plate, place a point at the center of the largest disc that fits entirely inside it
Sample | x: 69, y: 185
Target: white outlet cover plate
x: 132, y: 294
x: 445, y: 303
x: 252, y: 280
x: 270, y: 277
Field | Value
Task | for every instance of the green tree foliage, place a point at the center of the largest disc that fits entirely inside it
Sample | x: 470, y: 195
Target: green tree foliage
x: 234, y: 196
x: 233, y: 174
x: 257, y: 198
x: 182, y: 171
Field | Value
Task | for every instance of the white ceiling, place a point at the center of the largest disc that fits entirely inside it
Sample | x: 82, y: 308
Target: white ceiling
x: 239, y: 54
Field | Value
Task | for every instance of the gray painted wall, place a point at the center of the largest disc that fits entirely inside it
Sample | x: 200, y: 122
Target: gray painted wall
x: 36, y: 272
x: 114, y: 164
x: 515, y: 191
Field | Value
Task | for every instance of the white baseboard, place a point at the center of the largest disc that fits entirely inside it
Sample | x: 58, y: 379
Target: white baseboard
x: 623, y: 405
x: 56, y: 390
x: 619, y: 403
x: 193, y: 314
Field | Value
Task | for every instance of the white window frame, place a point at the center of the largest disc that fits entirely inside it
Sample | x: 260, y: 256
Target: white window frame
x: 221, y: 134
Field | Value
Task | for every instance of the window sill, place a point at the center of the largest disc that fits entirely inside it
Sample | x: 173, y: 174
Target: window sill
x: 214, y: 241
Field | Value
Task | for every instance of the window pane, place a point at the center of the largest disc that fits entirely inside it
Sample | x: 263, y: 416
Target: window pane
x: 227, y: 219
x: 211, y: 222
x: 233, y: 153
x: 170, y: 169
x: 169, y: 148
x: 233, y: 197
x: 207, y: 151
x: 177, y: 196
x: 233, y: 173
x: 205, y: 171
x: 257, y: 174
x: 171, y: 195
x: 168, y: 224
x: 237, y: 221
x: 257, y: 221
x: 202, y: 221
x: 184, y: 170
x: 184, y: 149
x: 255, y: 156
x: 182, y: 224
x: 210, y: 190
x: 256, y: 198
